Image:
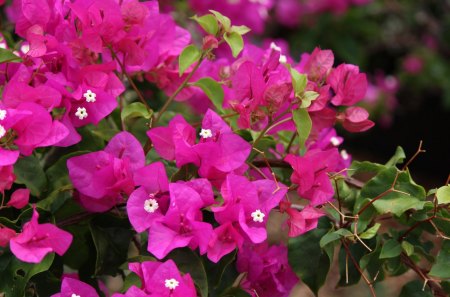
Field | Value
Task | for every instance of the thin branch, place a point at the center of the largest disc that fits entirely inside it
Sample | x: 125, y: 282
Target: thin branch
x: 419, y: 150
x: 355, y: 263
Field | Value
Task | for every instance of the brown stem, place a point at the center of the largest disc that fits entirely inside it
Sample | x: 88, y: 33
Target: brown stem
x: 355, y: 263
x: 419, y: 150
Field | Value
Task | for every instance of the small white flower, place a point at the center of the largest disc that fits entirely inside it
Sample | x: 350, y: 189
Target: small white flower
x: 2, y: 131
x: 275, y: 47
x: 90, y: 96
x: 2, y: 114
x: 171, y: 283
x: 344, y: 155
x: 151, y: 205
x: 258, y: 216
x: 81, y: 113
x: 335, y: 141
x: 206, y: 133
x: 75, y: 295
x: 3, y: 45
x: 282, y: 59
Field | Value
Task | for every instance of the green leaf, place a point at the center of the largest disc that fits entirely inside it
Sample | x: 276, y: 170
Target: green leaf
x: 8, y: 56
x: 241, y: 30
x: 307, y: 259
x: 188, y: 56
x: 410, y: 195
x: 391, y: 249
x: 371, y: 232
x: 299, y: 81
x: 15, y: 274
x: 208, y: 22
x: 415, y: 289
x: 407, y: 248
x: 397, y: 158
x: 225, y: 21
x: 135, y: 110
x: 307, y: 98
x: 213, y: 90
x: 29, y: 171
x: 443, y: 194
x: 131, y: 279
x: 441, y: 268
x: 303, y: 124
x: 111, y: 236
x: 365, y: 167
x: 188, y: 262
x: 235, y: 41
x: 346, y: 267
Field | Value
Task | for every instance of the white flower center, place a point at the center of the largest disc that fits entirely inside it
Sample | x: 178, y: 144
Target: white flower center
x: 258, y: 216
x: 171, y: 283
x: 2, y: 114
x: 25, y: 48
x: 151, y: 205
x: 206, y: 133
x: 335, y: 141
x: 275, y: 47
x: 90, y: 96
x: 282, y: 59
x: 2, y: 131
x: 75, y: 295
x: 344, y: 155
x: 81, y: 113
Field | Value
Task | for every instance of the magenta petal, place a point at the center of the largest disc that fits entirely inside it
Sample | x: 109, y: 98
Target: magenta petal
x: 139, y: 218
x: 152, y: 177
x: 57, y: 133
x: 162, y: 240
x: 125, y: 145
x: 19, y: 198
x: 5, y: 236
x: 72, y: 286
x: 8, y: 157
x: 162, y: 142
x: 255, y: 231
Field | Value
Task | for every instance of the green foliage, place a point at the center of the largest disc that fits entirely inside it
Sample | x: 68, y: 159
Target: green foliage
x: 29, y: 172
x: 303, y: 124
x: 213, y: 90
x: 441, y: 268
x: 190, y: 55
x: 208, y: 22
x: 8, y: 56
x: 135, y: 110
x: 235, y: 41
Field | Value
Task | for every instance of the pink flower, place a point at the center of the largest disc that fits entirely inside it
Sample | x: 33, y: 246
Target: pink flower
x: 225, y: 239
x: 348, y: 84
x: 7, y: 178
x: 19, y: 198
x: 160, y: 279
x: 102, y: 177
x: 302, y: 221
x: 268, y: 270
x: 182, y: 225
x: 248, y: 204
x: 37, y: 240
x: 71, y: 287
x: 356, y: 119
x: 5, y: 235
x: 311, y: 174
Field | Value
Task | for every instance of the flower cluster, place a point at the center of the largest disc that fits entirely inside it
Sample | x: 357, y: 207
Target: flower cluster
x: 78, y: 57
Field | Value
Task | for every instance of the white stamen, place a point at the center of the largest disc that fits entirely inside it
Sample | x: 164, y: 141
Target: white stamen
x: 2, y: 114
x: 206, y: 133
x: 258, y: 216
x: 81, y: 113
x: 275, y: 47
x: 75, y: 295
x: 344, y: 155
x: 2, y: 131
x: 25, y: 48
x: 335, y: 141
x: 171, y: 283
x: 282, y: 59
x: 90, y: 96
x: 151, y: 205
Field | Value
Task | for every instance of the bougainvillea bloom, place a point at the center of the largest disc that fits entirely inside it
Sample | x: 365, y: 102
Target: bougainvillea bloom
x: 268, y: 271
x: 160, y: 279
x: 37, y: 240
x: 19, y: 198
x: 72, y: 287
